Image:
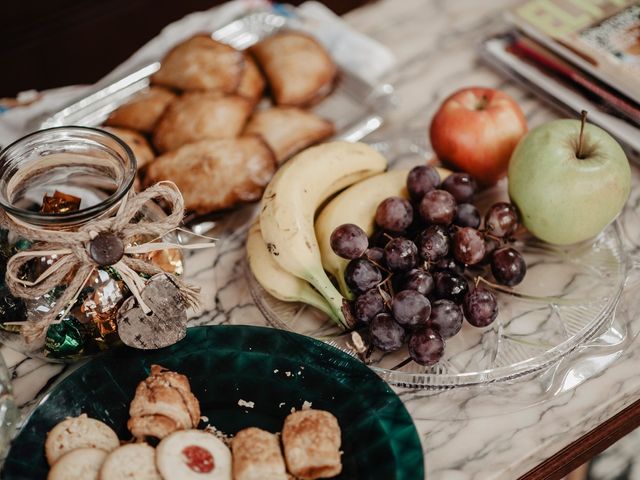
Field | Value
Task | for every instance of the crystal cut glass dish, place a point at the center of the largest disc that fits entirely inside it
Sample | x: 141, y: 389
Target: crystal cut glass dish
x: 568, y: 294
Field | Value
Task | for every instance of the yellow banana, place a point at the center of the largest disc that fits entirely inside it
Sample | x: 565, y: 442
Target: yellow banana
x: 290, y: 202
x: 357, y: 205
x: 276, y: 281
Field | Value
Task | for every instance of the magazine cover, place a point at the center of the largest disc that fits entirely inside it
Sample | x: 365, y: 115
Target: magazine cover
x: 601, y: 37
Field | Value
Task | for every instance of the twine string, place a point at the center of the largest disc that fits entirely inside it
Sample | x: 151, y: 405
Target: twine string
x: 74, y: 265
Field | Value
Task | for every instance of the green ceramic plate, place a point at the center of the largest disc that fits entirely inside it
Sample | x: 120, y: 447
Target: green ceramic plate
x: 276, y: 370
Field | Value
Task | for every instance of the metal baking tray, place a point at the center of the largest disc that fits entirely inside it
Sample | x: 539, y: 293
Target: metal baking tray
x: 355, y: 106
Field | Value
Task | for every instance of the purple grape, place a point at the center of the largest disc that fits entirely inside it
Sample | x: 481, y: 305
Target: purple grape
x: 362, y: 275
x: 426, y: 346
x: 400, y: 254
x: 468, y: 246
x: 501, y: 220
x: 446, y: 317
x: 385, y: 333
x: 449, y: 263
x: 368, y: 305
x: 467, y: 215
x: 450, y: 286
x: 349, y: 241
x: 410, y: 309
x: 438, y: 207
x: 422, y: 179
x: 375, y: 255
x: 419, y: 280
x: 508, y: 266
x: 394, y: 214
x: 480, y: 307
x: 461, y: 185
x: 490, y: 245
x: 433, y: 243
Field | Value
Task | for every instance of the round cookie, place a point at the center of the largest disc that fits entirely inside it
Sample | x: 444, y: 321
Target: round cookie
x: 79, y: 464
x: 79, y: 432
x: 133, y: 461
x: 193, y: 454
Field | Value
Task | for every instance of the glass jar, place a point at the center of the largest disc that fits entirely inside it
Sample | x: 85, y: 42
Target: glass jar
x: 99, y: 169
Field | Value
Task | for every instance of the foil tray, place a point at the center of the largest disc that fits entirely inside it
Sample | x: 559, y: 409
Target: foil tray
x: 355, y: 106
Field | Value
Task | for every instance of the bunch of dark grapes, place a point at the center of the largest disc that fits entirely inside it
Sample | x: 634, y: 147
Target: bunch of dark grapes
x: 414, y: 278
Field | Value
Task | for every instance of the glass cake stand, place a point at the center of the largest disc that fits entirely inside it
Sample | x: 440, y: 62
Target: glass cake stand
x: 568, y: 294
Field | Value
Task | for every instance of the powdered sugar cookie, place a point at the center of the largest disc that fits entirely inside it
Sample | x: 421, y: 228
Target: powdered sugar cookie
x: 79, y: 464
x: 133, y: 461
x: 79, y: 432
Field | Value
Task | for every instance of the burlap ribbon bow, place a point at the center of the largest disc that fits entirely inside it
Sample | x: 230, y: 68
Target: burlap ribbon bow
x: 76, y: 259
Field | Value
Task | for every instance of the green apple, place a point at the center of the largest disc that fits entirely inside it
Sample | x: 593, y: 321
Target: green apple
x: 568, y: 184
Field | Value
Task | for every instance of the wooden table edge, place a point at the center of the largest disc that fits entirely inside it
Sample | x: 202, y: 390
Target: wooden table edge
x: 586, y: 447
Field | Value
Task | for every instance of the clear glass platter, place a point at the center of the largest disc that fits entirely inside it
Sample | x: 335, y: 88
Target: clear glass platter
x: 568, y: 294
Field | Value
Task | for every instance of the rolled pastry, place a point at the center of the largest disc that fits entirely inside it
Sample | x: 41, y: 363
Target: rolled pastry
x: 257, y: 456
x: 311, y: 441
x: 163, y: 403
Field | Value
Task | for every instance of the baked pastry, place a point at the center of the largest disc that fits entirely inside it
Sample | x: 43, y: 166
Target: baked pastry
x: 298, y: 69
x: 257, y: 456
x: 163, y: 403
x: 288, y: 130
x: 155, y: 426
x: 311, y: 441
x: 79, y: 432
x: 193, y: 454
x: 216, y: 174
x: 143, y: 111
x: 137, y: 143
x: 135, y: 461
x: 252, y: 82
x: 80, y: 464
x: 201, y: 63
x: 199, y: 115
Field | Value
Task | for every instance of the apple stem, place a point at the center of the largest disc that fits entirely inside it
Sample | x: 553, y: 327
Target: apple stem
x: 583, y: 116
x: 481, y: 105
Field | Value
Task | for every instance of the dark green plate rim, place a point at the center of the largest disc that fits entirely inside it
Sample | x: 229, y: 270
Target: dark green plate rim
x: 380, y: 400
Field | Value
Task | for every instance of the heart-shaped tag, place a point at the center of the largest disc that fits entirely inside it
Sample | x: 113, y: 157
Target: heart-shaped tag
x: 164, y: 326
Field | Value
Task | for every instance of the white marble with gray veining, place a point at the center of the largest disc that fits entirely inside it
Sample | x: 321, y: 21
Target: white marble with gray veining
x: 489, y: 433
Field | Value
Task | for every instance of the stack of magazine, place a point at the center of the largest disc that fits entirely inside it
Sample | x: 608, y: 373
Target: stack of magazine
x: 578, y: 55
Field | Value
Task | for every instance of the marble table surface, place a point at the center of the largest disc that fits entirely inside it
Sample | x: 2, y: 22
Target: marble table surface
x: 487, y: 433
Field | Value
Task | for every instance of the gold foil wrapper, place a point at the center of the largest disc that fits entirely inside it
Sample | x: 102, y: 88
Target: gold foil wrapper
x: 60, y: 202
x: 169, y: 260
x: 100, y: 306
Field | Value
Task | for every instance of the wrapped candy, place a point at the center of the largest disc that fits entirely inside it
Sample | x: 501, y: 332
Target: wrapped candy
x: 59, y: 203
x: 64, y: 339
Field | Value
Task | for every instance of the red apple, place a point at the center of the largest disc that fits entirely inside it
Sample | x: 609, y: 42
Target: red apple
x: 476, y: 130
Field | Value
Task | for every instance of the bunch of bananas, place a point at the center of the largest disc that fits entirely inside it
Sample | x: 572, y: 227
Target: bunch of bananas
x: 290, y: 253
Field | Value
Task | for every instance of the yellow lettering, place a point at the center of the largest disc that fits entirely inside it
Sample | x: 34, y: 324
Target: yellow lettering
x: 589, y: 6
x: 551, y: 19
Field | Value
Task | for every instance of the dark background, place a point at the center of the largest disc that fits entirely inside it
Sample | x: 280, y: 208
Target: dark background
x: 46, y: 44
